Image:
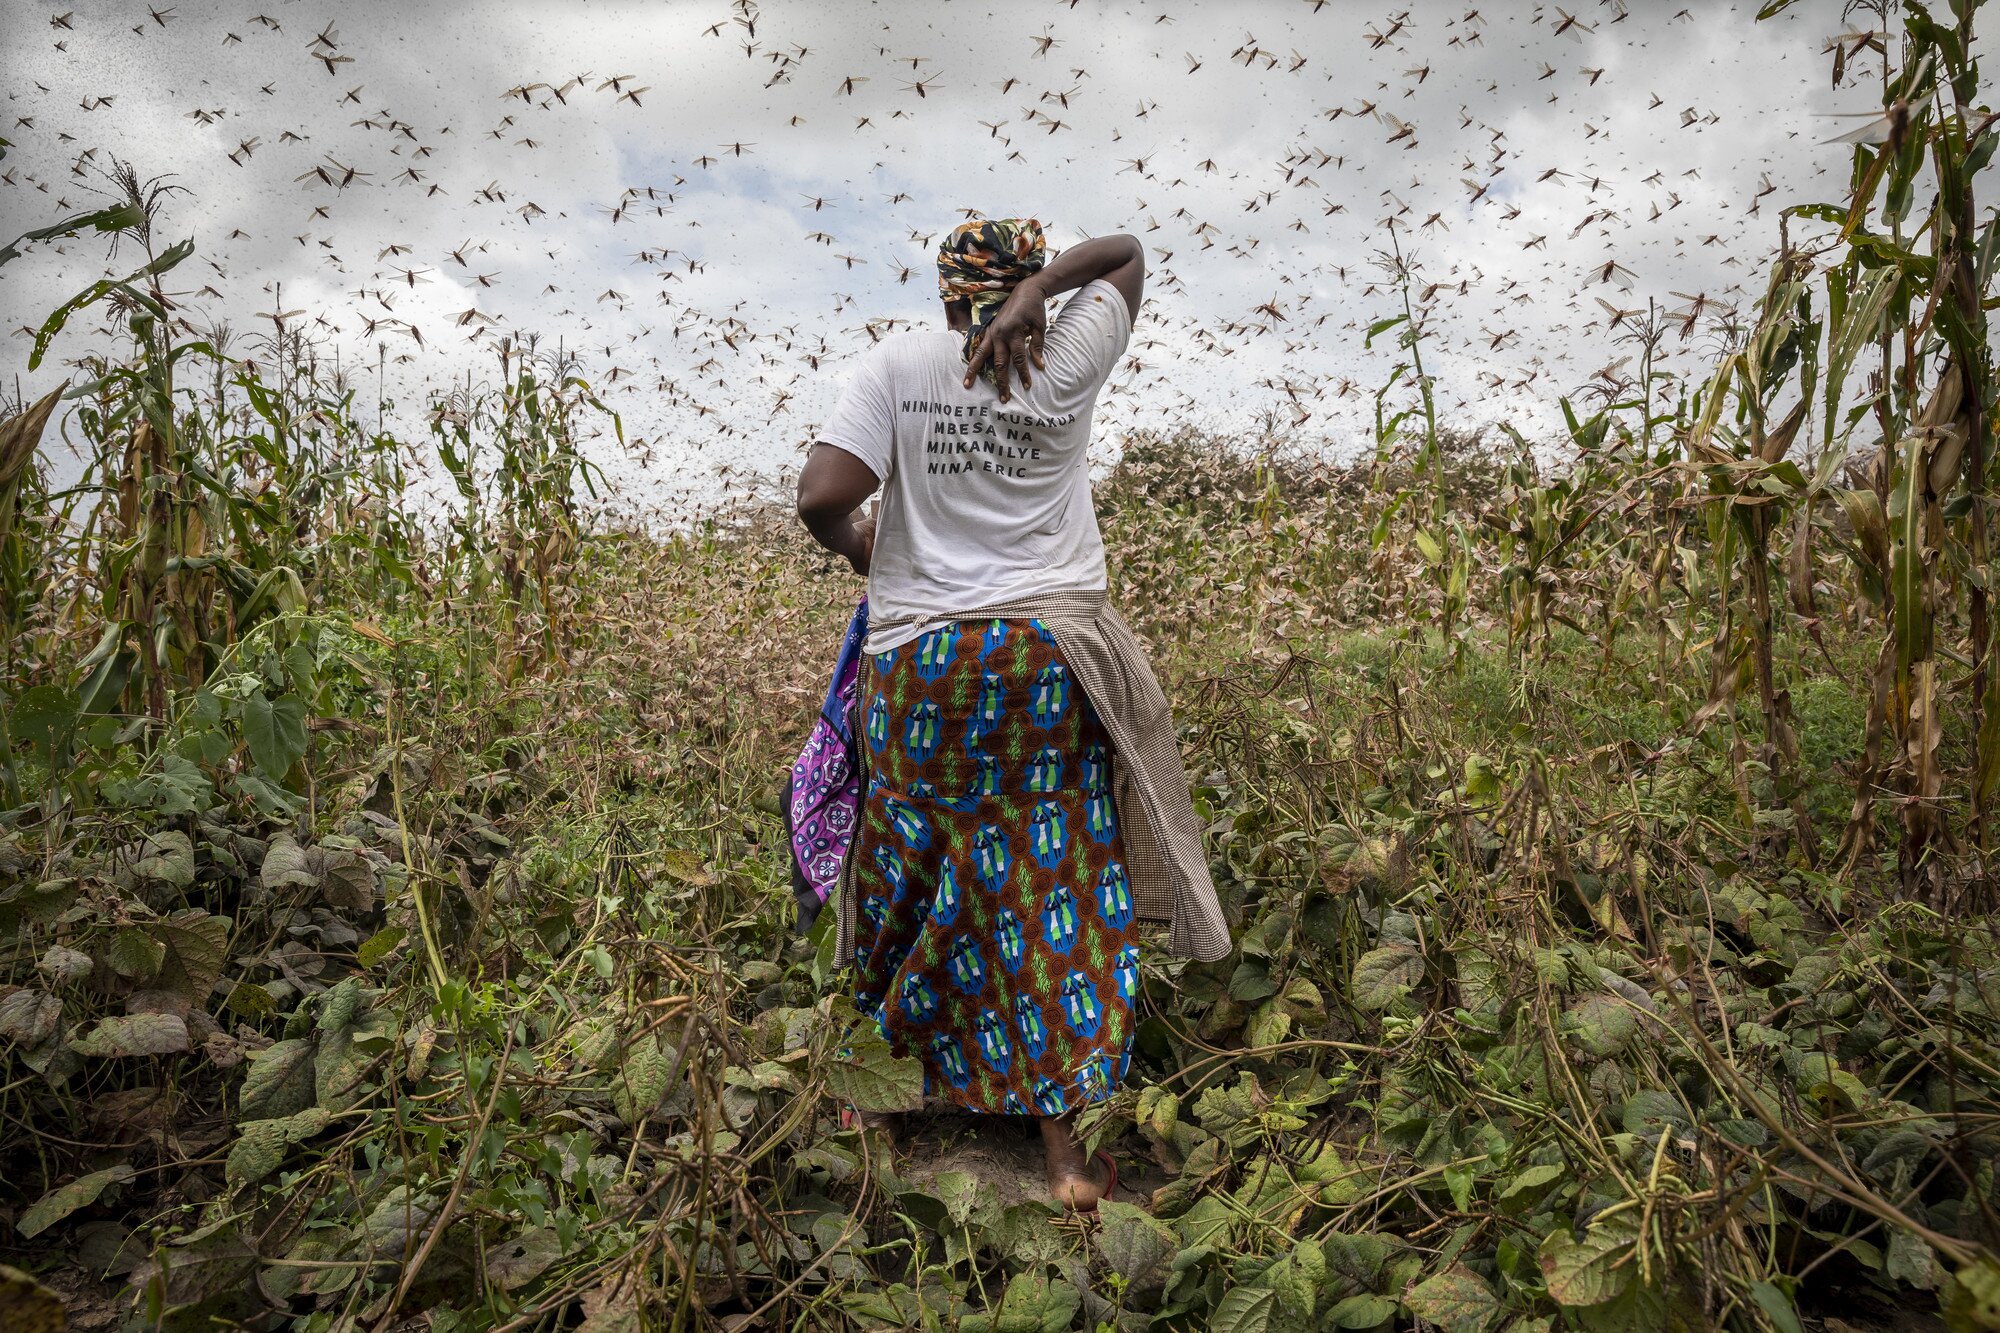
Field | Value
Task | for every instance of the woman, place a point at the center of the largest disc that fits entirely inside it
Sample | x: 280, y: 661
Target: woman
x: 1025, y: 805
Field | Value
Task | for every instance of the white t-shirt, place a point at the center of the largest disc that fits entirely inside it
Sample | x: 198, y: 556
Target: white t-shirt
x: 982, y: 501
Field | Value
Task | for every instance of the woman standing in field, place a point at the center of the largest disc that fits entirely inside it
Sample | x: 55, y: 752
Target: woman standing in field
x: 1024, y: 804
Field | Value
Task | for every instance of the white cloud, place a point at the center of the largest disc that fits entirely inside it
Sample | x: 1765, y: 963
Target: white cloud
x: 1242, y: 164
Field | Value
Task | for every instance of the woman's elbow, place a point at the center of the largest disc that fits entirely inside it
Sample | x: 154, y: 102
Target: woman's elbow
x: 813, y: 504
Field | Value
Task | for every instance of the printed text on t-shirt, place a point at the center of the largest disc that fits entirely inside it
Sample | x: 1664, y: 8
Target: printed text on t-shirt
x: 958, y: 429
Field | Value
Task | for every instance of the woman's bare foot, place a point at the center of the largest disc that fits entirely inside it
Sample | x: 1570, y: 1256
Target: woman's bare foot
x: 1073, y: 1180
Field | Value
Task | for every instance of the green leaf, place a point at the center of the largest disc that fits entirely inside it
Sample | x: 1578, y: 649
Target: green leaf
x: 1911, y: 1260
x: 1456, y: 1300
x: 53, y: 1207
x: 1580, y: 1271
x: 1243, y: 1310
x: 1032, y: 1303
x: 29, y: 1017
x: 286, y: 867
x: 1358, y: 1259
x: 1384, y: 975
x: 1251, y: 981
x: 1526, y: 1189
x: 1269, y: 1025
x: 1134, y: 1244
x: 1974, y: 1303
x: 166, y: 858
x: 194, y: 944
x: 249, y: 1000
x: 135, y: 954
x: 43, y: 716
x: 876, y: 1078
x: 1380, y: 327
x: 27, y: 1306
x: 276, y: 732
x: 1363, y: 1311
x: 1647, y: 1110
x: 65, y: 964
x: 279, y: 1081
x: 260, y: 1149
x: 1776, y: 1304
x: 641, y: 1080
x: 347, y: 880
x: 378, y: 946
x: 519, y: 1261
x: 1602, y: 1024
x: 116, y: 218
x: 134, y: 1034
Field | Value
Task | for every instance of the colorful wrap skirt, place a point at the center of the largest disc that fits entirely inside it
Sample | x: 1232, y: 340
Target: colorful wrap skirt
x: 995, y: 939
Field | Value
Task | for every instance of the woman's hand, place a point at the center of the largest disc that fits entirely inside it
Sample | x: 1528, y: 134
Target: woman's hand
x: 832, y: 487
x: 1013, y: 339
x: 861, y: 545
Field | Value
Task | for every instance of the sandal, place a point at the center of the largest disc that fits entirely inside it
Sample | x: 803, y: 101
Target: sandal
x: 1110, y: 1180
x: 850, y: 1118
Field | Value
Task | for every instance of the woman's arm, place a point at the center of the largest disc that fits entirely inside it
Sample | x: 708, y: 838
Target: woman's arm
x: 831, y: 488
x: 1015, y: 334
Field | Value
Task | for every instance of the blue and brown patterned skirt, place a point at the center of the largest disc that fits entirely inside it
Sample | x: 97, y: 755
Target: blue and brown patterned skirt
x: 995, y: 938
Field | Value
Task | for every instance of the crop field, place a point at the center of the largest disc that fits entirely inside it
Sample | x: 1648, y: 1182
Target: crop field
x: 395, y: 918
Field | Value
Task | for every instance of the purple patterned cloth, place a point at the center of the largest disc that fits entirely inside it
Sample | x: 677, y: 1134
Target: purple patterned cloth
x: 823, y: 793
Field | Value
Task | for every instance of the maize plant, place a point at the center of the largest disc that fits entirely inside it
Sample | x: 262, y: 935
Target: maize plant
x: 1918, y: 534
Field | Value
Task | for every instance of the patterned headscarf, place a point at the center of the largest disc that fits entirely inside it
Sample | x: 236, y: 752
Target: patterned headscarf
x: 982, y: 261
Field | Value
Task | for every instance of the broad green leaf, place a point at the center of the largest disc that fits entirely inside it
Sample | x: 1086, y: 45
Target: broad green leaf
x: 1456, y: 1300
x: 641, y: 1080
x: 194, y: 943
x: 1910, y: 1259
x: 340, y: 1068
x: 1243, y: 1310
x: 1032, y: 1303
x: 1778, y: 1306
x: 1134, y: 1244
x: 260, y: 1149
x: 1269, y: 1025
x: 53, y: 1207
x: 1364, y: 1311
x: 686, y: 867
x: 1647, y: 1110
x: 1974, y: 1303
x: 63, y: 965
x: 134, y: 1034
x: 134, y: 954
x: 42, y: 715
x: 1297, y: 1279
x: 166, y: 857
x: 1358, y: 1259
x: 1580, y: 1271
x: 26, y: 1306
x: 1207, y: 1223
x: 378, y: 946
x: 279, y: 1081
x: 876, y: 1078
x: 1602, y: 1025
x: 1251, y: 981
x: 276, y: 732
x: 346, y: 879
x: 29, y: 1017
x: 519, y: 1261
x: 286, y: 867
x: 247, y: 999
x: 1527, y: 1188
x: 1384, y: 975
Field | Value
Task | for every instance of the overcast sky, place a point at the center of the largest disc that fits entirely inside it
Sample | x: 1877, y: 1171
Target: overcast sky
x: 719, y: 203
